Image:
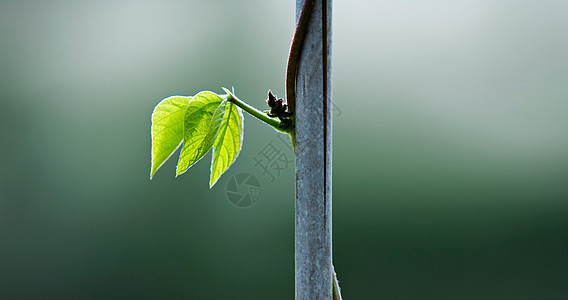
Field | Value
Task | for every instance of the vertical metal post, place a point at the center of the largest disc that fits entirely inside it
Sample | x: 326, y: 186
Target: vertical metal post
x: 313, y: 158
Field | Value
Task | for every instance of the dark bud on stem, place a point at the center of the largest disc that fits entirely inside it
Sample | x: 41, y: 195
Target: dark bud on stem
x: 271, y: 99
x: 279, y: 109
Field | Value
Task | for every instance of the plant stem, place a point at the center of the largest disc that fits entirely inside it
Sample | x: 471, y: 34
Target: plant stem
x: 255, y: 112
x: 295, y: 53
x: 336, y: 289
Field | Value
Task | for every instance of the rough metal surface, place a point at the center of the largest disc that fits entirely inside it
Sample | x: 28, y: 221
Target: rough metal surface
x: 313, y: 158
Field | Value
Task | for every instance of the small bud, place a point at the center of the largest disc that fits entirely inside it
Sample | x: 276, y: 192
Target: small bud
x: 271, y: 99
x: 278, y: 109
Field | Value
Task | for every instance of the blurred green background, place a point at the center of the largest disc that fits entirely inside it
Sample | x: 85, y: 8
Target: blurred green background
x: 450, y: 150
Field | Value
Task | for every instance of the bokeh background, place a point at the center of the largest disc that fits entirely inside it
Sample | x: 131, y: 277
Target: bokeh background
x: 450, y: 150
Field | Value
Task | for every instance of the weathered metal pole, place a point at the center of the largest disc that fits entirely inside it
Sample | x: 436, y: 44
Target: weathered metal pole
x: 313, y: 158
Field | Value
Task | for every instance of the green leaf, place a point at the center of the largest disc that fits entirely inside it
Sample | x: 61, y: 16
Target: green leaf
x: 228, y: 142
x: 167, y: 129
x: 200, y: 129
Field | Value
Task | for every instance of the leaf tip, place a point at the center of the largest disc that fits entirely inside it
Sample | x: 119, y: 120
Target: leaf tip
x: 180, y: 171
x: 212, y: 183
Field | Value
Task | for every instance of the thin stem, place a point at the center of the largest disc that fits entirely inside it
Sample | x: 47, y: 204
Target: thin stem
x: 336, y: 289
x: 295, y: 53
x: 274, y: 123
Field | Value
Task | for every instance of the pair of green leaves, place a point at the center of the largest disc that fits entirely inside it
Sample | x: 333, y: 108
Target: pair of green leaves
x: 199, y: 123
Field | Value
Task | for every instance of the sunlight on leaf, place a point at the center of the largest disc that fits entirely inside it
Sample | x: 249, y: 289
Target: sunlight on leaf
x: 200, y: 129
x: 167, y: 129
x: 228, y: 143
x: 199, y: 123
